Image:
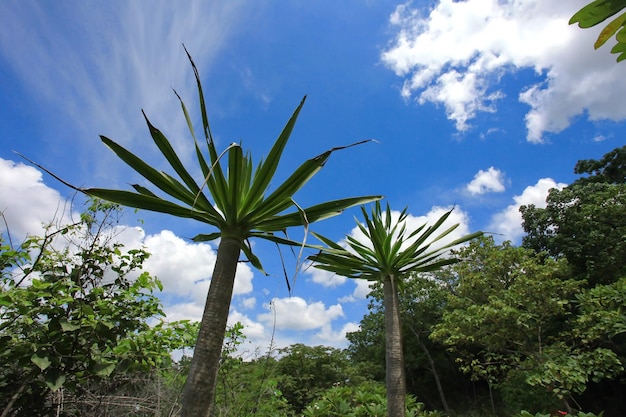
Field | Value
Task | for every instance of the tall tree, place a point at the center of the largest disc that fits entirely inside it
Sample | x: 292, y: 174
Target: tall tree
x: 389, y: 254
x: 514, y: 315
x: 240, y: 205
x: 428, y: 367
x: 586, y: 221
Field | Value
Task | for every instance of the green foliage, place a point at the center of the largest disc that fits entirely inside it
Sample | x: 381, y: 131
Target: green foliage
x: 610, y: 169
x: 388, y: 249
x: 511, y: 314
x: 601, y: 312
x: 367, y: 345
x: 585, y: 221
x: 78, y: 311
x: 597, y: 12
x: 363, y: 400
x: 585, y: 224
x: 305, y: 371
x: 525, y: 413
x: 503, y: 300
x: 247, y: 388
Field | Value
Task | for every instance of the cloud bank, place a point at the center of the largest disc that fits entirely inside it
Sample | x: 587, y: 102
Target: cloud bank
x: 455, y: 54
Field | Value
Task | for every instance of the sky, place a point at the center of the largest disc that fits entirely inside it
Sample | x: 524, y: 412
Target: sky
x: 480, y: 105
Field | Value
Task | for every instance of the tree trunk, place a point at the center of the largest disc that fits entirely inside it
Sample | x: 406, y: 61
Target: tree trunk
x: 199, y: 390
x: 433, y: 370
x: 394, y: 360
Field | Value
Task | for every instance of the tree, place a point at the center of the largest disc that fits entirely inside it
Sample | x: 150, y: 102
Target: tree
x: 610, y: 169
x: 597, y: 12
x: 429, y: 369
x: 305, y: 371
x: 76, y: 314
x: 363, y: 400
x: 586, y: 221
x: 247, y: 387
x: 389, y: 255
x: 513, y: 316
x: 239, y: 205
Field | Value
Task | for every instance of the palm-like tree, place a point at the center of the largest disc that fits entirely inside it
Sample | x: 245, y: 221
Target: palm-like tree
x: 388, y: 255
x: 240, y: 206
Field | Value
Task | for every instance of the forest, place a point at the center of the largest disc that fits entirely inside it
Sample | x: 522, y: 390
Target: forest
x: 530, y: 330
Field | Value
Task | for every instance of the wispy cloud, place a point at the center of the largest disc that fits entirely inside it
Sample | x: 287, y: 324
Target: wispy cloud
x: 455, y: 53
x: 98, y: 64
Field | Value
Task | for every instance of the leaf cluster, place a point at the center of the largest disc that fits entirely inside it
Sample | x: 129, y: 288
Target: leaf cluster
x: 597, y: 12
x: 388, y: 248
x: 74, y: 307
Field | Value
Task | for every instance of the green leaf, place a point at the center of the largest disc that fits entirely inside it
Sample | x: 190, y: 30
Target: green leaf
x: 66, y: 326
x: 313, y: 214
x: 104, y: 369
x: 146, y: 202
x: 597, y: 12
x: 610, y: 30
x: 267, y: 169
x: 42, y: 362
x: 6, y: 300
x: 55, y: 379
x: 163, y: 181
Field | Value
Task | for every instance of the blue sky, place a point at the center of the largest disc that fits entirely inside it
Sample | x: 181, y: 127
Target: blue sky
x: 480, y: 104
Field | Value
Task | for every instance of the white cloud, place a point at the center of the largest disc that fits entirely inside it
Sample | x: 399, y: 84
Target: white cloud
x: 28, y: 203
x: 253, y: 330
x: 491, y: 180
x: 183, y: 311
x: 457, y: 53
x: 325, y: 278
x: 328, y: 337
x: 248, y: 303
x: 508, y: 223
x: 184, y: 268
x: 294, y: 313
x: 361, y: 290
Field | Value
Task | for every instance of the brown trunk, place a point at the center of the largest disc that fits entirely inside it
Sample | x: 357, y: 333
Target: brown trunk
x: 199, y: 390
x: 433, y: 371
x: 394, y: 360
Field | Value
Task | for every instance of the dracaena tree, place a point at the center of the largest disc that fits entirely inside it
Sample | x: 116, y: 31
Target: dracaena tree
x: 238, y: 204
x: 389, y: 254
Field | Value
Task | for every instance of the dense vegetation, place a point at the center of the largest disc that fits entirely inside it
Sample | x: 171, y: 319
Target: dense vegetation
x: 540, y: 327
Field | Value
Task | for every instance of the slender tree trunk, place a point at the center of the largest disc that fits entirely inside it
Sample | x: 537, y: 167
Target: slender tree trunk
x: 433, y: 370
x: 15, y: 396
x: 394, y: 359
x: 199, y: 390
